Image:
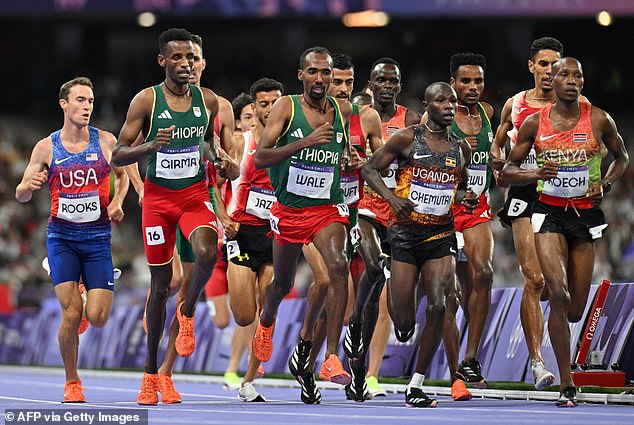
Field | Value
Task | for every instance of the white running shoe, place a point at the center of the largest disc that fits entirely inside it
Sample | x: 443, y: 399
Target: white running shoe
x: 248, y: 393
x: 543, y: 378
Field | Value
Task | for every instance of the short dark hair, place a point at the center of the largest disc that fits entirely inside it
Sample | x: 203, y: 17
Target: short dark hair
x: 389, y: 61
x: 77, y: 81
x: 546, y: 43
x: 342, y: 61
x: 459, y: 59
x: 239, y: 102
x: 196, y: 39
x: 265, y: 84
x: 316, y: 49
x: 173, y: 34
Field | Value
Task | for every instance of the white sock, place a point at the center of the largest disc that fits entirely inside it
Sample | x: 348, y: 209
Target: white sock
x: 416, y: 381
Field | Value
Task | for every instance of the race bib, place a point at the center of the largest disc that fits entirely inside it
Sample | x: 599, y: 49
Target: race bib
x: 79, y: 207
x: 154, y: 235
x: 311, y: 181
x: 431, y: 198
x: 390, y: 179
x: 355, y: 235
x: 477, y: 177
x: 259, y: 202
x: 530, y: 162
x: 233, y: 249
x: 181, y: 163
x: 343, y: 210
x: 350, y: 186
x: 516, y: 207
x: 571, y: 182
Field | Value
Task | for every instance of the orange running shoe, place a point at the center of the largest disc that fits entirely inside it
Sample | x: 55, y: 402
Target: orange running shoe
x: 260, y: 372
x: 185, y: 341
x: 169, y: 395
x: 83, y: 325
x: 263, y: 342
x: 147, y: 300
x: 73, y: 392
x: 459, y: 391
x: 332, y: 371
x: 149, y: 390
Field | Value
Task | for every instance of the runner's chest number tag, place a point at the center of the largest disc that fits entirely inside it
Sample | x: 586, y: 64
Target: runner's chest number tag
x: 350, y: 186
x: 431, y: 198
x: 177, y: 163
x: 477, y: 177
x: 390, y: 179
x: 259, y: 202
x: 571, y: 182
x: 79, y: 207
x: 311, y: 181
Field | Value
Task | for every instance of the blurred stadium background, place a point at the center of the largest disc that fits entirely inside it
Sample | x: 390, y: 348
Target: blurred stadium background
x: 114, y: 42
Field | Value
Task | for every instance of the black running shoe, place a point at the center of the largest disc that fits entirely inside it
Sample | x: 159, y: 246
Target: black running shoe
x: 353, y: 342
x: 404, y: 336
x: 567, y: 398
x: 416, y: 397
x: 298, y: 364
x: 357, y: 390
x: 471, y: 374
x: 310, y: 392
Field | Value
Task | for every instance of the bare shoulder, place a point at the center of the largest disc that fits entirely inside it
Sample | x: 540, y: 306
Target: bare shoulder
x: 488, y: 109
x: 210, y: 97
x: 412, y: 117
x: 106, y: 138
x: 345, y: 106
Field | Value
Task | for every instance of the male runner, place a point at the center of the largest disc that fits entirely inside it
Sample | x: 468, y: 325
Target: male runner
x: 544, y: 52
x: 431, y: 163
x: 175, y: 191
x: 567, y: 137
x: 304, y: 144
x: 75, y: 162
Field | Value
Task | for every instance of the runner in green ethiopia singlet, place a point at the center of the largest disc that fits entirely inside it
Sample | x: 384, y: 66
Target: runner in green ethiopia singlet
x: 479, y: 170
x: 311, y: 176
x: 178, y: 165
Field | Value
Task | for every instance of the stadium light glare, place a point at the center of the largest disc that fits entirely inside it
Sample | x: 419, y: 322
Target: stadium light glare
x: 366, y: 19
x: 146, y: 19
x: 604, y: 18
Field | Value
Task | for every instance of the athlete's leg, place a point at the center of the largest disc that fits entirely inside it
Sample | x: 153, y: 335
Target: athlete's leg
x: 159, y: 292
x: 451, y: 333
x: 98, y: 306
x: 317, y: 292
x: 380, y: 332
x: 402, y: 295
x: 204, y: 242
x: 71, y: 304
x: 580, y: 268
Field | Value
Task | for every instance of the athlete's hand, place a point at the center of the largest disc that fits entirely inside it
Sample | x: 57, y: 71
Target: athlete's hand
x: 548, y: 171
x: 231, y: 228
x: 469, y: 201
x: 354, y: 162
x: 499, y: 179
x: 320, y: 136
x: 163, y: 137
x: 226, y: 167
x: 595, y: 193
x: 402, y: 207
x: 115, y: 212
x: 38, y: 180
x: 141, y: 193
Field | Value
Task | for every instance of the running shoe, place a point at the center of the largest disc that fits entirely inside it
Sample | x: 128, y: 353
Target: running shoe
x: 310, y: 392
x: 263, y: 342
x: 459, y: 391
x: 84, y: 323
x: 404, y: 336
x: 74, y: 392
x: 471, y: 373
x: 353, y: 342
x: 543, y: 378
x: 416, y: 397
x: 299, y: 362
x: 376, y: 390
x: 248, y: 393
x: 332, y: 371
x: 260, y: 372
x: 148, y: 395
x: 169, y: 395
x: 357, y: 390
x: 147, y: 300
x: 567, y: 398
x: 232, y: 381
x: 185, y: 341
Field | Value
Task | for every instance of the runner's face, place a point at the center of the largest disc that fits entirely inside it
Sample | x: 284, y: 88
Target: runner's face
x: 264, y: 101
x: 542, y: 68
x: 385, y: 83
x: 568, y: 80
x: 246, y: 121
x: 441, y: 108
x: 178, y: 61
x: 342, y: 83
x: 468, y: 84
x: 316, y: 74
x: 78, y: 108
x: 199, y: 65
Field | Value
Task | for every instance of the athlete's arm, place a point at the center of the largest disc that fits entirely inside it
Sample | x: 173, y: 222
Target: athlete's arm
x: 412, y: 117
x: 267, y: 154
x: 372, y: 129
x: 399, y: 145
x: 132, y: 171
x: 121, y: 180
x: 226, y: 123
x: 501, y: 136
x: 211, y: 103
x: 512, y: 173
x: 36, y: 172
x: 469, y: 199
x: 230, y: 227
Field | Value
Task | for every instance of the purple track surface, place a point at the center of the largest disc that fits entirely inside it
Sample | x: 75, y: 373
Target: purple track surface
x: 211, y: 404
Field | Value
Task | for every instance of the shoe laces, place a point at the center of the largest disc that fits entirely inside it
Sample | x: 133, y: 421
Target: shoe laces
x: 166, y: 385
x: 186, y: 325
x: 72, y: 389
